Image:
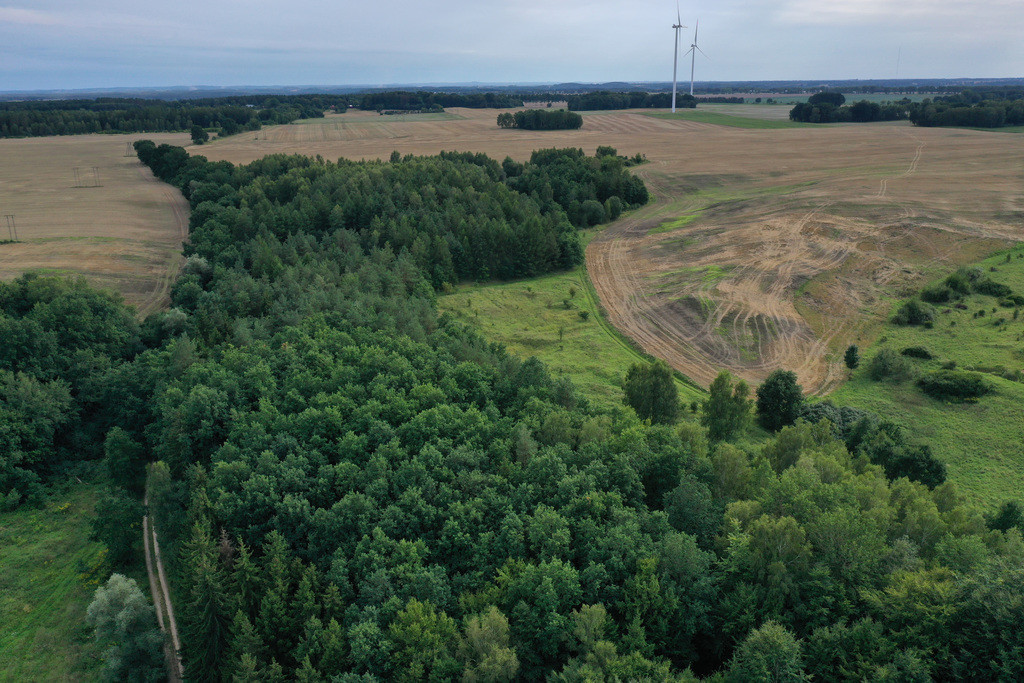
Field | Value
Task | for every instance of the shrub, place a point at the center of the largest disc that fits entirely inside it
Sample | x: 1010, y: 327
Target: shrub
x: 992, y: 288
x: 961, y: 281
x: 917, y: 352
x: 887, y: 364
x: 937, y: 294
x: 954, y: 385
x: 1012, y: 300
x: 914, y: 312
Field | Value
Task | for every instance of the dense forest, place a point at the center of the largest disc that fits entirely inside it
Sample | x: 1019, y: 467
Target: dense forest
x: 354, y: 488
x: 540, y: 119
x: 828, y: 107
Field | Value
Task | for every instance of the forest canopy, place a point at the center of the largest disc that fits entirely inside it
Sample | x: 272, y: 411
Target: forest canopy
x: 350, y: 486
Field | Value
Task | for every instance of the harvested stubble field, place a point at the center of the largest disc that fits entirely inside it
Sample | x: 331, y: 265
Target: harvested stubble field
x: 125, y: 234
x: 762, y: 248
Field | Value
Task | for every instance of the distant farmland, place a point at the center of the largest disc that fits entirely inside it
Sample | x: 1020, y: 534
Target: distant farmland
x: 124, y: 234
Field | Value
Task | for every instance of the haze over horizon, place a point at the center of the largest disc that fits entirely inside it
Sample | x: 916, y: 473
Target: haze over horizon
x: 58, y: 44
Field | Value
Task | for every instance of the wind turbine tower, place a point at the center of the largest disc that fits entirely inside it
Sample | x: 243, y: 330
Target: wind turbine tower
x: 675, y: 59
x: 693, y: 55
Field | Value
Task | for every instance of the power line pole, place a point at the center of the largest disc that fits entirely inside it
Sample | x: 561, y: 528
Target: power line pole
x: 128, y: 149
x: 78, y: 178
x: 12, y: 227
x: 96, y: 177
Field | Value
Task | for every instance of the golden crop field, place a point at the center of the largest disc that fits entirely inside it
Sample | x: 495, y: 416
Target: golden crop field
x: 762, y: 248
x: 82, y: 207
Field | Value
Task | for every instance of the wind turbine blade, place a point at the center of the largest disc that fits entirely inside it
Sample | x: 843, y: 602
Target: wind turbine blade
x: 696, y: 26
x: 679, y: 17
x: 702, y: 52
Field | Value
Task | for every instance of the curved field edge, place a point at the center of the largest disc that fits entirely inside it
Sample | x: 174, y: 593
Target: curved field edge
x: 48, y: 572
x: 979, y: 442
x: 542, y: 317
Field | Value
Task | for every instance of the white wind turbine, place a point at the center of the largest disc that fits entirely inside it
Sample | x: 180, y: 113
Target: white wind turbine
x: 675, y: 59
x: 693, y: 58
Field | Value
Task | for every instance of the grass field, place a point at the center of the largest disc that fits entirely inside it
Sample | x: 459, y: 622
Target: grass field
x: 48, y: 572
x: 979, y: 442
x: 542, y: 318
x: 722, y: 117
x: 117, y: 226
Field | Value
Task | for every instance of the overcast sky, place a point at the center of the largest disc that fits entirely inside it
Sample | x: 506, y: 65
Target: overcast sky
x: 110, y: 43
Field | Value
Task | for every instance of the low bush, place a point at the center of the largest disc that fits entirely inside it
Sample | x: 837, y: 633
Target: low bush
x: 887, y: 364
x: 954, y: 385
x: 992, y: 288
x: 914, y: 312
x: 917, y: 352
x: 937, y: 294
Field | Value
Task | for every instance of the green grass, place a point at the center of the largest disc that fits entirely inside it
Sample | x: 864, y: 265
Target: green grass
x: 527, y: 316
x: 732, y: 121
x: 674, y: 224
x: 979, y: 442
x: 48, y: 572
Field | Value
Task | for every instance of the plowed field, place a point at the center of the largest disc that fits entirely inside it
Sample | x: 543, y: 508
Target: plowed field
x: 762, y: 248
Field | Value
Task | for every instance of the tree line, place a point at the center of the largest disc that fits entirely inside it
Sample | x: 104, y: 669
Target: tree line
x: 981, y: 108
x: 606, y: 99
x: 976, y: 108
x: 75, y: 117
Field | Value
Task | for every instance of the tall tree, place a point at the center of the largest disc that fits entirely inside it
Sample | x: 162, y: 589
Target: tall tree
x: 727, y: 410
x: 779, y: 399
x: 651, y: 391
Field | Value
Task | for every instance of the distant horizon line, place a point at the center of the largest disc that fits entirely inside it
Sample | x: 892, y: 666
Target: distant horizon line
x: 511, y: 84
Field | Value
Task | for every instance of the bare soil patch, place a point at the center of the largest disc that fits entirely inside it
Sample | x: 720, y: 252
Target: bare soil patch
x: 762, y: 248
x: 124, y: 234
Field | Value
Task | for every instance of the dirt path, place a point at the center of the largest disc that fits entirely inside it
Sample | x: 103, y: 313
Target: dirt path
x: 161, y: 593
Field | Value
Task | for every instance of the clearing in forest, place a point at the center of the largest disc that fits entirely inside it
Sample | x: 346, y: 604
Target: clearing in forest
x: 762, y: 248
x: 85, y: 205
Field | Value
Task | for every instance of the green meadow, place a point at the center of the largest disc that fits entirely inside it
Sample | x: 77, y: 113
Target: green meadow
x: 981, y: 443
x: 48, y: 572
x: 558, y: 319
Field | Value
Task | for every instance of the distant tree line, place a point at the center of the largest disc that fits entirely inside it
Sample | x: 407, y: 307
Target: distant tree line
x: 976, y: 108
x: 226, y: 115
x: 540, y: 119
x: 606, y: 99
x: 422, y: 100
x: 719, y: 100
x: 828, y: 107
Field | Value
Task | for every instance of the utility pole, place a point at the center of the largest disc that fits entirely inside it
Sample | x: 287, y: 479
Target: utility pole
x: 12, y: 227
